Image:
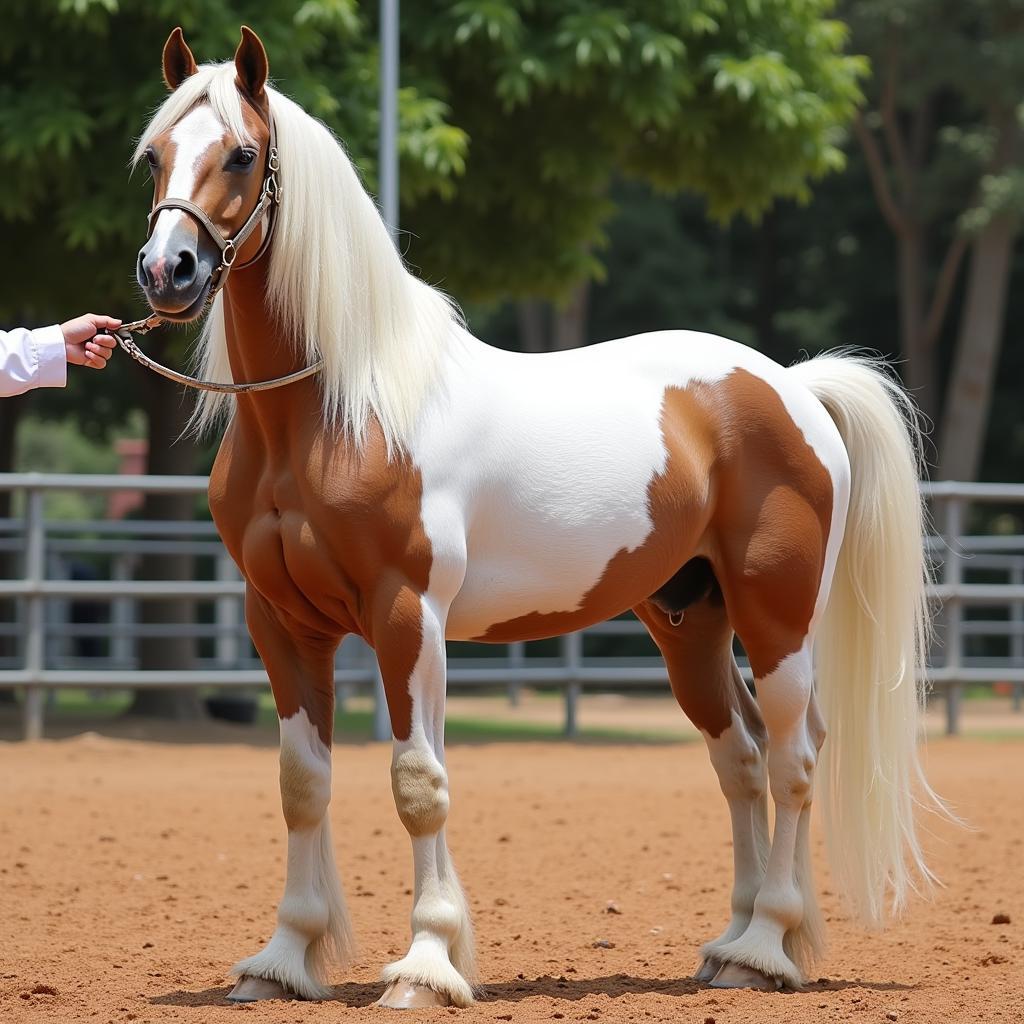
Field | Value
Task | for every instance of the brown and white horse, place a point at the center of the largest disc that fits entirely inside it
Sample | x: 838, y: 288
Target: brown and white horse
x: 424, y: 486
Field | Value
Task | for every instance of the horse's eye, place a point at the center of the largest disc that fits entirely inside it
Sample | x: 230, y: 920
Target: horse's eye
x: 151, y: 158
x: 243, y: 157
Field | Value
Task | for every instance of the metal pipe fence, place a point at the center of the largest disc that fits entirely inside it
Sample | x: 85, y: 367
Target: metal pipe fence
x: 978, y: 593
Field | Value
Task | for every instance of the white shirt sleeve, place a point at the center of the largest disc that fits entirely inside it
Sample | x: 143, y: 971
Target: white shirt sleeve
x: 32, y: 359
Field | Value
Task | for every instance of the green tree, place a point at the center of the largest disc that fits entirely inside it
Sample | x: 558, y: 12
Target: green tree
x: 943, y: 142
x: 735, y: 101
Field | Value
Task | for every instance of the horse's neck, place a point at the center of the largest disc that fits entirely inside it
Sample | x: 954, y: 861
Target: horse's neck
x: 285, y: 419
x: 258, y: 350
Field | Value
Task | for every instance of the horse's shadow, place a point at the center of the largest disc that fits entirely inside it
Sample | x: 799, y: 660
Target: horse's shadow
x: 572, y: 989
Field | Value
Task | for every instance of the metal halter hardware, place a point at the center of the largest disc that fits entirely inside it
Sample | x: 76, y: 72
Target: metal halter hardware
x: 270, y: 197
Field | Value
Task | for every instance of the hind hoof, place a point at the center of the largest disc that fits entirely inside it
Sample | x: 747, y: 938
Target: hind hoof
x: 404, y: 995
x: 249, y: 989
x: 741, y: 976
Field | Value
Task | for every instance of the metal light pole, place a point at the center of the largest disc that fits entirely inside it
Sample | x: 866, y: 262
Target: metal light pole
x: 388, y: 160
x: 389, y: 115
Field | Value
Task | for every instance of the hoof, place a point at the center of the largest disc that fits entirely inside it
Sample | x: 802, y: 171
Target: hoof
x: 249, y: 989
x: 741, y: 976
x: 404, y: 995
x: 709, y: 967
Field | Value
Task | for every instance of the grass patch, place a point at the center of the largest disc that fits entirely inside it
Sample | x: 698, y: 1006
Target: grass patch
x: 355, y: 725
x: 88, y: 703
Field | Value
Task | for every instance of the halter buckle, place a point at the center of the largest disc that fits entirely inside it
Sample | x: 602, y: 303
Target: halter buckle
x: 227, y: 257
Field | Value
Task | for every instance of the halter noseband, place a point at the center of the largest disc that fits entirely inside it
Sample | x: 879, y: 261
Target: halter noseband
x: 270, y: 197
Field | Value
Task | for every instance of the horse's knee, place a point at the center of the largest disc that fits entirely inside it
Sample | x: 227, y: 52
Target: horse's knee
x: 305, y: 781
x: 420, y: 785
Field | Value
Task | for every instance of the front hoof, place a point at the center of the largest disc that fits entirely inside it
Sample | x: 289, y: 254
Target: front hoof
x: 250, y: 989
x: 404, y: 995
x: 741, y: 976
x: 709, y: 967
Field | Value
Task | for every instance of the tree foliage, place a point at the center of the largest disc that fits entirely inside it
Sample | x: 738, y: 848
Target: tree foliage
x: 738, y: 101
x: 534, y: 105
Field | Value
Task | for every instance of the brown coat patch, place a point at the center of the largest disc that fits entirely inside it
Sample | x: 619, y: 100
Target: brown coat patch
x: 771, y: 523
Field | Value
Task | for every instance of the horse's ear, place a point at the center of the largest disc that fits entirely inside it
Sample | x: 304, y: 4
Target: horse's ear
x: 251, y: 64
x: 178, y: 60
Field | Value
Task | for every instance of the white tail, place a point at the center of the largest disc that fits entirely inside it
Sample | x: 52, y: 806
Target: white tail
x: 871, y: 644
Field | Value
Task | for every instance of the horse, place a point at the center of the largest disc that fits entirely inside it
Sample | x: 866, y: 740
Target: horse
x: 410, y: 484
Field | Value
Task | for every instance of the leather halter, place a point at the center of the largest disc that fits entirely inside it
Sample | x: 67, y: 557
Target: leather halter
x: 270, y: 198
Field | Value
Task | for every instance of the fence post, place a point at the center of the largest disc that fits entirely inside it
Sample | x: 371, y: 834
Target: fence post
x: 516, y: 660
x: 122, y: 616
x: 228, y: 616
x: 35, y: 572
x: 952, y: 577
x: 572, y: 651
x: 1016, y: 638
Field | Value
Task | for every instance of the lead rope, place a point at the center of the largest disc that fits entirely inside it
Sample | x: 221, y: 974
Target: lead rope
x: 124, y: 333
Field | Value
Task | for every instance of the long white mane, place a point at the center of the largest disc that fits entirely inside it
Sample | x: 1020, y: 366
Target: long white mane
x: 336, y: 284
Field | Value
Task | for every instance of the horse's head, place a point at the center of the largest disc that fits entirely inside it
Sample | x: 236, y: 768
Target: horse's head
x: 219, y: 170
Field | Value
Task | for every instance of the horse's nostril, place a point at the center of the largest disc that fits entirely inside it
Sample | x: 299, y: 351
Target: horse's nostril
x: 142, y: 274
x: 185, y: 271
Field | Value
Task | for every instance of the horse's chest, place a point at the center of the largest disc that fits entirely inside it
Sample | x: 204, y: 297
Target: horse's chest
x: 288, y: 560
x: 318, y: 542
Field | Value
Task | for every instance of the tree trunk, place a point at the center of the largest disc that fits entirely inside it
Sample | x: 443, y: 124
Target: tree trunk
x: 571, y: 320
x: 969, y: 395
x: 921, y: 374
x: 167, y: 411
x: 533, y: 320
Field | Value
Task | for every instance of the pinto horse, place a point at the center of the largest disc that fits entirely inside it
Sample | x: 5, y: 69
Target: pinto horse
x: 423, y: 486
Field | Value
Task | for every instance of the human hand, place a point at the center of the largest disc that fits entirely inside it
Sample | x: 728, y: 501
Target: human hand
x: 84, y: 345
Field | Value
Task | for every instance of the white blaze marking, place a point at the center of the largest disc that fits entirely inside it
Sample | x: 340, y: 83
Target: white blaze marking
x: 193, y: 135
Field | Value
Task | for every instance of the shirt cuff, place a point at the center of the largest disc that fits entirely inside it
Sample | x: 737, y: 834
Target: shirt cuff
x: 51, y: 357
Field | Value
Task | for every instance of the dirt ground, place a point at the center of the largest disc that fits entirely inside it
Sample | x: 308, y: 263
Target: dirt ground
x: 132, y: 874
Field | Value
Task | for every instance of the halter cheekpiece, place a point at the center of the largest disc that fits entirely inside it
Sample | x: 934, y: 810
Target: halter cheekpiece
x: 270, y: 198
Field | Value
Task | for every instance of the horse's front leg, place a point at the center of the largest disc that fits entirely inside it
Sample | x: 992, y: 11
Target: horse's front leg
x: 438, y: 968
x: 312, y: 921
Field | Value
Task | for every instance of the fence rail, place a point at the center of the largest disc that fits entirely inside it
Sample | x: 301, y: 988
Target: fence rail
x: 978, y: 573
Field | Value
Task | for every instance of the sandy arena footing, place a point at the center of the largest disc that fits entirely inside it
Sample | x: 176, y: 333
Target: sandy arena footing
x: 134, y: 874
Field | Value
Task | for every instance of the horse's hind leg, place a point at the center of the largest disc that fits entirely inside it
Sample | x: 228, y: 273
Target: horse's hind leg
x: 708, y: 686
x: 312, y: 922
x: 773, y: 581
x: 785, y: 932
x: 439, y: 967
